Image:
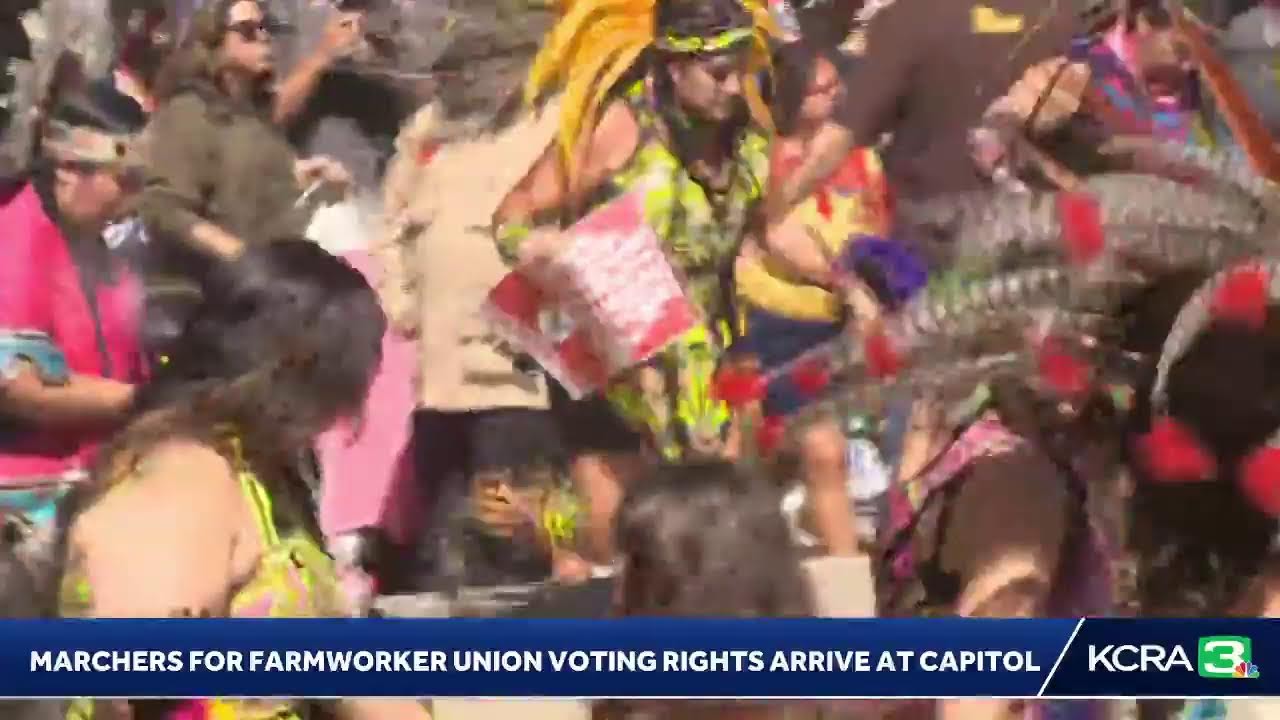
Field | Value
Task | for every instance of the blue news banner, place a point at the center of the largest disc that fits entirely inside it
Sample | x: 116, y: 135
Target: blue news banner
x: 639, y: 658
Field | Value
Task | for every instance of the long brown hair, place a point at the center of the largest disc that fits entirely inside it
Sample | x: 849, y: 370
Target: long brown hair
x: 197, y: 59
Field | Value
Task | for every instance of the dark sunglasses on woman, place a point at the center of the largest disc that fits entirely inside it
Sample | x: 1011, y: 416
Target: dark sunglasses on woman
x: 253, y: 30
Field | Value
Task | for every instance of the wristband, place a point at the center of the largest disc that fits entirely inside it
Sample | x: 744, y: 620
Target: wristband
x: 560, y: 517
x: 36, y: 348
x: 509, y: 236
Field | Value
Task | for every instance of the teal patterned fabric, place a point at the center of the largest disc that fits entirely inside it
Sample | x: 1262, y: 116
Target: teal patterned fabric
x: 1206, y: 709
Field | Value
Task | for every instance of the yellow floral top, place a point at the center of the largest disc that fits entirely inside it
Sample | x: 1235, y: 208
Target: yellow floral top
x: 295, y: 579
x: 851, y: 204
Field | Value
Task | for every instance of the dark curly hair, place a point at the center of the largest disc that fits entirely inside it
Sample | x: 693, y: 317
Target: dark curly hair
x: 287, y: 343
x: 1197, y: 545
x: 704, y: 539
x: 707, y: 539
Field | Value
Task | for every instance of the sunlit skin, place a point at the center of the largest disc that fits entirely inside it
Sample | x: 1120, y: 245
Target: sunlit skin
x: 246, y: 47
x: 88, y: 196
x: 709, y: 88
x: 823, y: 446
x: 706, y: 88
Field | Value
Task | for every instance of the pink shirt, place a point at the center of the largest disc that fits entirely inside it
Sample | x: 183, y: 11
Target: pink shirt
x: 41, y: 289
x: 368, y: 474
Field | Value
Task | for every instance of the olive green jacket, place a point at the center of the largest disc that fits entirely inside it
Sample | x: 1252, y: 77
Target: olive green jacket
x: 210, y: 160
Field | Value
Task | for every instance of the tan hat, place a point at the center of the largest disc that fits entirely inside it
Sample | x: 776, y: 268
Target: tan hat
x: 70, y: 143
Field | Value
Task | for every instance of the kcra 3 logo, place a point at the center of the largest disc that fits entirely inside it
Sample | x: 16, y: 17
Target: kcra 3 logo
x: 1217, y: 657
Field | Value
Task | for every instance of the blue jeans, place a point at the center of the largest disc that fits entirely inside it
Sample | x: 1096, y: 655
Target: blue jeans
x: 776, y: 340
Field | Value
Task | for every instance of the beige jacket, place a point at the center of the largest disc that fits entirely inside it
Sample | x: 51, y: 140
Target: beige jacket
x: 439, y: 259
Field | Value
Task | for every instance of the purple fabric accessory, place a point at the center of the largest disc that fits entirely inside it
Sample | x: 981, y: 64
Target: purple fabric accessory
x: 903, y: 271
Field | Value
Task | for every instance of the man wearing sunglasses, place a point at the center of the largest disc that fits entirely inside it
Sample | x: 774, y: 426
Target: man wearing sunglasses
x: 70, y: 353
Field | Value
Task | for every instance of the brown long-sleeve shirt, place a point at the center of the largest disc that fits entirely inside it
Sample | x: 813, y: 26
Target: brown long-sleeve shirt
x: 929, y: 71
x: 211, y: 161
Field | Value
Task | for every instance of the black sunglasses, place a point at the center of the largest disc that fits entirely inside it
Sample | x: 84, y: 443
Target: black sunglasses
x: 252, y: 30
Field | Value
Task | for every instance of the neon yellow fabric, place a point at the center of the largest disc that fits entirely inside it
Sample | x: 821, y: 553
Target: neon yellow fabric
x: 852, y: 204
x: 295, y: 579
x: 693, y: 44
x: 670, y: 398
x: 595, y: 43
x: 701, y: 236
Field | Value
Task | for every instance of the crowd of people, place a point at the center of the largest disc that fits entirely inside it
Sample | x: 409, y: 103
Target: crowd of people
x: 990, y: 286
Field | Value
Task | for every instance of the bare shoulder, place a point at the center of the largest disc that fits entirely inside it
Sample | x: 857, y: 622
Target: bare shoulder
x: 176, y: 481
x: 614, y: 139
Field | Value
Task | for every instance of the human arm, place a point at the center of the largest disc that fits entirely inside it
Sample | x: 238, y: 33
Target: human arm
x: 1004, y: 539
x: 181, y: 153
x: 82, y: 400
x: 321, y: 169
x: 36, y: 388
x: 878, y: 81
x: 545, y: 190
x: 341, y: 35
x: 795, y: 246
x: 186, y: 494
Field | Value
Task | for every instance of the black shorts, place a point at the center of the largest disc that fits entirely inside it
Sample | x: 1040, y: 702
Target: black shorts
x: 590, y: 425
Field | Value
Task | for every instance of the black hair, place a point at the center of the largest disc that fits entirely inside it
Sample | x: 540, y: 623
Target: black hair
x: 286, y: 342
x: 291, y: 308
x: 794, y: 65
x: 704, y: 539
x: 1198, y: 544
x: 100, y: 106
x: 708, y: 539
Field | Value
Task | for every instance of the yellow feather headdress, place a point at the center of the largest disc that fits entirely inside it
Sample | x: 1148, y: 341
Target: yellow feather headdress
x: 595, y: 42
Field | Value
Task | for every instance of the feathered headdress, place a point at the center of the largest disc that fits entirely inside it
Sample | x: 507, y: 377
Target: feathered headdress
x: 595, y: 42
x: 1037, y: 280
x: 1238, y: 295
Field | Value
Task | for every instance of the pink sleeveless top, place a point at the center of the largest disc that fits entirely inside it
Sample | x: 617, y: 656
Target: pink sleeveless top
x: 43, y: 290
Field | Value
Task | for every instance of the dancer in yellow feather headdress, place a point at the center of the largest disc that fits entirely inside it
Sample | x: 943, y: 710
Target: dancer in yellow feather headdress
x: 660, y: 97
x: 597, y: 42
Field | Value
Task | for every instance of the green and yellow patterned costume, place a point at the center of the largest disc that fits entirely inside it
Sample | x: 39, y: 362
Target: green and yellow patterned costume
x: 295, y: 579
x: 701, y: 229
x: 670, y: 397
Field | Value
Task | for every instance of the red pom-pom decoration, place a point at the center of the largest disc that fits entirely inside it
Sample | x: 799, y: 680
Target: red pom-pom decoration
x: 1242, y: 298
x: 738, y: 386
x: 769, y: 435
x: 811, y: 376
x: 1260, y: 479
x: 1061, y: 371
x: 882, y: 359
x: 1081, y: 220
x: 1171, y: 453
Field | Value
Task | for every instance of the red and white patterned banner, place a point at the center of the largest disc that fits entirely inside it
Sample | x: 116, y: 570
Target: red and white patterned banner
x: 616, y: 301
